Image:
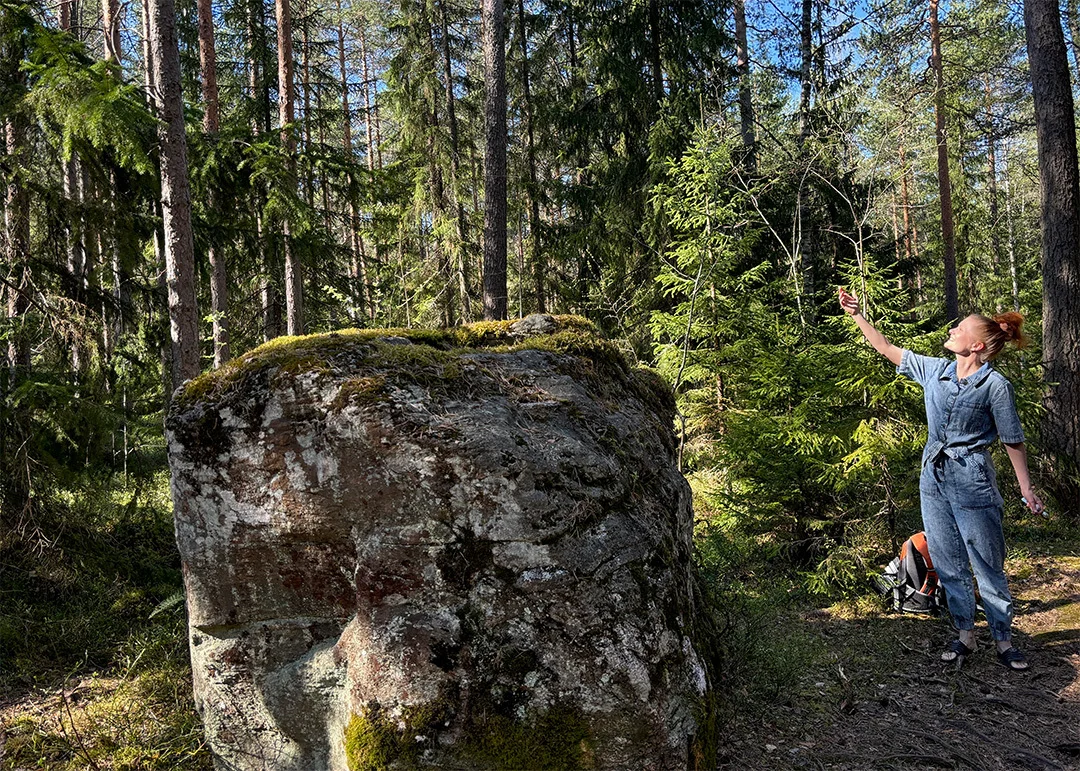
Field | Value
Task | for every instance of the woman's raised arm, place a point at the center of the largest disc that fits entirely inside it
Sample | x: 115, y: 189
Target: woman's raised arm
x: 850, y: 304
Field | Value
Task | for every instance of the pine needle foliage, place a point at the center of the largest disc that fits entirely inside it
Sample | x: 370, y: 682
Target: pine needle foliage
x: 806, y: 440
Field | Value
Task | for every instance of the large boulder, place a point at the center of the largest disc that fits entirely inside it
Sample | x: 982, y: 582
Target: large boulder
x: 459, y: 549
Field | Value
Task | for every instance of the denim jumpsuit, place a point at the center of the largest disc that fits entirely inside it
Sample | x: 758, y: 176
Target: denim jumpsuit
x: 961, y: 505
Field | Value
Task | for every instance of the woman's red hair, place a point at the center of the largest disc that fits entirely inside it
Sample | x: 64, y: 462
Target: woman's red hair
x: 1002, y: 328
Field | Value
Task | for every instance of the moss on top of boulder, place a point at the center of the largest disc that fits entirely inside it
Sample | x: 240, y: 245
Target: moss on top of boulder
x: 421, y: 355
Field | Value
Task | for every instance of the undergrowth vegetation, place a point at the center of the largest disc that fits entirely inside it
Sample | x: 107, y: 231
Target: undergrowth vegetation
x: 90, y: 675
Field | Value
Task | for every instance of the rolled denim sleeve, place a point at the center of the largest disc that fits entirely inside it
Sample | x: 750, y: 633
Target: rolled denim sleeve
x: 1003, y: 408
x: 920, y: 368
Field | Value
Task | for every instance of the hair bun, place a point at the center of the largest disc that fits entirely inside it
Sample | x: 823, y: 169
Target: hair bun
x: 1011, y: 324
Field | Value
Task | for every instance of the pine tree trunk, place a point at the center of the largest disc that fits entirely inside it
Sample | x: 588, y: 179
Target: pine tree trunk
x: 494, y: 20
x: 948, y: 240
x: 442, y: 254
x: 175, y: 193
x: 165, y: 351
x: 371, y: 113
x: 219, y: 302
x: 746, y: 104
x: 802, y: 273
x: 464, y: 301
x: 258, y: 82
x: 110, y: 28
x: 905, y: 206
x: 208, y: 66
x: 532, y: 192
x: 76, y: 254
x: 260, y: 125
x: 305, y: 59
x: 1060, y: 227
x: 655, y: 58
x: 1009, y: 229
x: 369, y: 128
x: 17, y: 247
x: 991, y: 174
x: 294, y: 290
x: 360, y: 291
x: 806, y: 53
x: 113, y: 327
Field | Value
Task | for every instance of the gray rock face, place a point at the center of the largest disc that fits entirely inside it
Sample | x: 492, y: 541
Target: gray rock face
x: 424, y: 554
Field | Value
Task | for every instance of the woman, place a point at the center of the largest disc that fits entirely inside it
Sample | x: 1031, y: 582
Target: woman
x: 968, y: 405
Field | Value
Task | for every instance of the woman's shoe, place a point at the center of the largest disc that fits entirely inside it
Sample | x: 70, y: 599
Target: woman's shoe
x: 955, y: 653
x: 1013, y: 659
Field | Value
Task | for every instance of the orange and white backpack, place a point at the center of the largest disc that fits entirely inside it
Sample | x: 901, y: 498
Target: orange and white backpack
x: 912, y: 580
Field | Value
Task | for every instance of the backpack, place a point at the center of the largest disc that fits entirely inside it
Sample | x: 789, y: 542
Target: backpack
x: 911, y: 579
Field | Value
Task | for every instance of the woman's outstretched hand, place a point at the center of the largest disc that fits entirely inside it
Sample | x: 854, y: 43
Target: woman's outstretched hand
x: 849, y: 302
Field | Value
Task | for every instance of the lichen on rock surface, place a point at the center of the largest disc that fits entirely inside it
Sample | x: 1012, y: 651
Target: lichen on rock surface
x: 463, y: 548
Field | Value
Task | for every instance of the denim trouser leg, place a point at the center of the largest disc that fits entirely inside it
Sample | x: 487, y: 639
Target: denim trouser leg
x: 962, y: 511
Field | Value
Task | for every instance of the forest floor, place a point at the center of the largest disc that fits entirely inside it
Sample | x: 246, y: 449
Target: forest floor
x: 841, y: 686
x: 874, y: 694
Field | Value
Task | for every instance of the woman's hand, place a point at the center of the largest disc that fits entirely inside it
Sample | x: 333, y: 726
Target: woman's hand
x: 849, y: 302
x: 1033, y: 501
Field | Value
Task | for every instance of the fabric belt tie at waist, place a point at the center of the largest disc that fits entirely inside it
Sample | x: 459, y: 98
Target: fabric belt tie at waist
x: 940, y: 453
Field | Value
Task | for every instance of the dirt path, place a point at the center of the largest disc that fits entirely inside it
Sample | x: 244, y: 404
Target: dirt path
x: 877, y: 697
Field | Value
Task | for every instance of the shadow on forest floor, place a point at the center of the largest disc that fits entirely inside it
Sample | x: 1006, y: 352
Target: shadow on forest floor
x: 876, y: 696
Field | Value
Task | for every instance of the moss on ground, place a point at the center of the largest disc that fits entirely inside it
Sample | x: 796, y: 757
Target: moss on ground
x: 88, y: 679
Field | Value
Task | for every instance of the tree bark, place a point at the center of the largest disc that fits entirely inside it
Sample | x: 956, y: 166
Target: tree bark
x: 294, y: 289
x: 371, y: 111
x: 746, y: 104
x: 1060, y: 227
x: 1011, y: 244
x: 360, y: 291
x: 113, y: 328
x: 464, y: 301
x: 17, y: 246
x: 532, y: 191
x: 948, y: 240
x: 219, y: 299
x: 369, y: 128
x: 305, y: 65
x: 165, y: 351
x: 175, y: 193
x: 905, y: 206
x: 439, y: 245
x: 76, y: 253
x: 260, y: 88
x: 208, y: 66
x: 110, y: 29
x: 804, y: 271
x: 655, y: 56
x: 806, y: 54
x: 260, y: 125
x: 494, y: 20
x: 991, y: 173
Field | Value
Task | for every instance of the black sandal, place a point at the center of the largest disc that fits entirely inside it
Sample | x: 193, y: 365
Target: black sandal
x: 955, y: 653
x: 1013, y: 660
